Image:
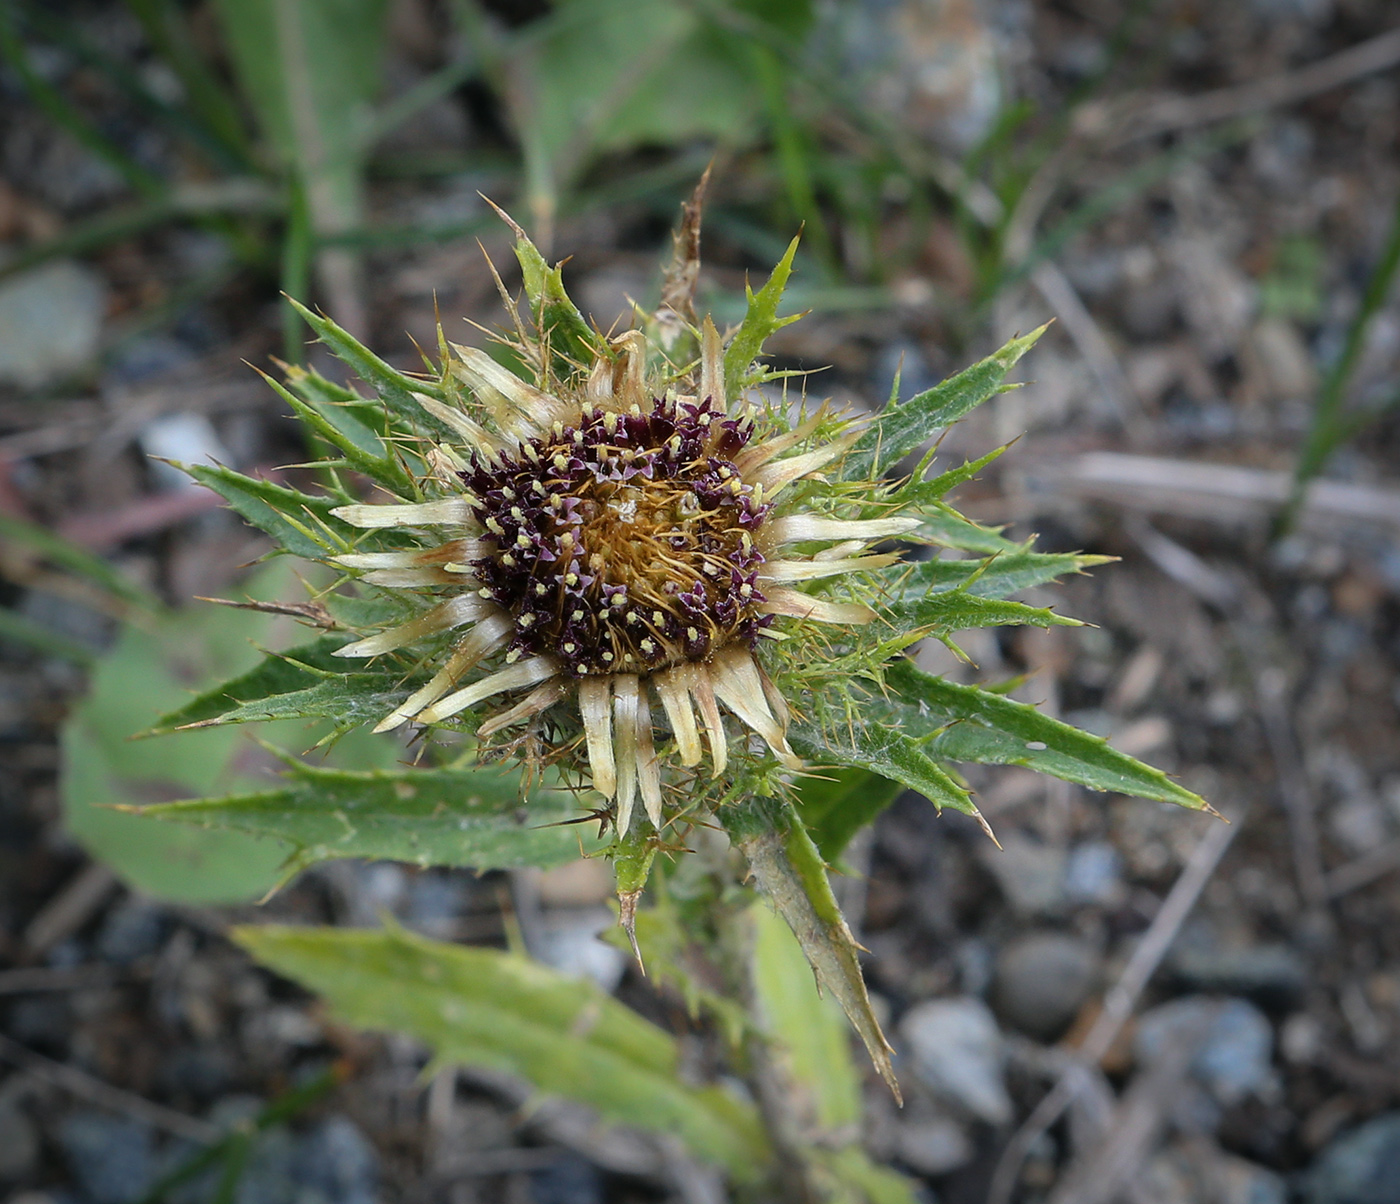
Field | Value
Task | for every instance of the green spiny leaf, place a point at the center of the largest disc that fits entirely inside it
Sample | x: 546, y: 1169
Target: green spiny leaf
x: 900, y: 429
x: 944, y: 525
x: 460, y: 817
x: 887, y: 749
x: 759, y: 323
x: 926, y: 493
x: 394, y: 388
x: 557, y: 318
x: 293, y: 519
x: 486, y: 1008
x: 991, y: 729
x: 361, y: 448
x: 346, y: 699
x: 993, y: 577
x: 952, y: 610
x: 790, y: 871
x: 278, y: 673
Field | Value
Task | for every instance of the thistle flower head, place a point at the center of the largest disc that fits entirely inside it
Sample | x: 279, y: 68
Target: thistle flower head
x: 619, y: 540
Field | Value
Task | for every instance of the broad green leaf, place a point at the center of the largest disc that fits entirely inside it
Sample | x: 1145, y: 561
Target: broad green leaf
x: 478, y: 818
x: 992, y: 729
x: 600, y: 76
x: 76, y: 560
x: 146, y: 672
x: 900, y: 429
x: 295, y: 520
x: 857, y: 1180
x: 807, y: 1028
x: 835, y: 804
x: 760, y: 322
x: 790, y: 872
x: 482, y: 1007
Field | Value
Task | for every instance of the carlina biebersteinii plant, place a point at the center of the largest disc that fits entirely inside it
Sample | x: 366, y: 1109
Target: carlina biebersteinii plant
x: 643, y: 566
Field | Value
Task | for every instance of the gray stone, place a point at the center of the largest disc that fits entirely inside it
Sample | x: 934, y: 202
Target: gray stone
x: 337, y: 1160
x: 1270, y: 973
x: 1031, y: 876
x: 958, y: 1053
x: 111, y: 1157
x: 1042, y: 980
x: 932, y: 1145
x: 571, y: 1180
x: 1197, y: 1170
x: 569, y: 941
x: 1094, y: 873
x: 1235, y: 1060
x: 1362, y: 1166
x: 50, y: 322
x: 132, y: 930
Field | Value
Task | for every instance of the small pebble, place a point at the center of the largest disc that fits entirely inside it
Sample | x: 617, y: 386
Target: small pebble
x: 111, y: 1157
x: 958, y: 1053
x: 1094, y: 874
x: 571, y: 1180
x: 1042, y: 980
x: 1236, y: 1059
x: 337, y: 1160
x: 131, y: 930
x: 1031, y: 876
x: 50, y: 323
x: 1362, y: 1166
x: 569, y: 942
x: 933, y: 1145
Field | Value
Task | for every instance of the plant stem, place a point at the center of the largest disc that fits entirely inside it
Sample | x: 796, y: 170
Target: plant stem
x: 773, y: 1091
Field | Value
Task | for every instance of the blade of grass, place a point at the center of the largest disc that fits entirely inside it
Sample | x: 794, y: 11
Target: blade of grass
x: 63, y: 113
x: 205, y: 94
x: 1114, y: 196
x: 297, y: 251
x: 181, y: 119
x: 19, y: 629
x: 233, y: 196
x: 63, y: 554
x: 1329, y: 427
